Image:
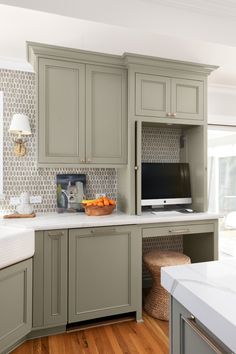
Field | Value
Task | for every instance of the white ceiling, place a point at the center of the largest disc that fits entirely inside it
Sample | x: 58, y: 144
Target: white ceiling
x: 200, y: 31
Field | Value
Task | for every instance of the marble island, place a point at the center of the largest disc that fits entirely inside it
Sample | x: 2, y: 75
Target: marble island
x: 208, y: 292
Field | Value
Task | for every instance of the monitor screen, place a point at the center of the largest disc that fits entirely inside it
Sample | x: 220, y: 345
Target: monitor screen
x: 165, y: 183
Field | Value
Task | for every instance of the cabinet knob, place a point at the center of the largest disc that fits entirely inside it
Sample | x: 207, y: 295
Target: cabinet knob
x: 82, y: 161
x: 173, y: 114
x: 89, y: 160
x: 168, y: 114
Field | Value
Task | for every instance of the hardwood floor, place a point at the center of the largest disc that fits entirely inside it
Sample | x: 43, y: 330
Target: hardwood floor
x: 121, y: 338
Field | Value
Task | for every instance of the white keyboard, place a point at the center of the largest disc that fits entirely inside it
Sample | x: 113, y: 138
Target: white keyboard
x: 166, y: 213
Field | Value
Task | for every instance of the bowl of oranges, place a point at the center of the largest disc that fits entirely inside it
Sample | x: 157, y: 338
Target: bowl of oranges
x: 99, y: 206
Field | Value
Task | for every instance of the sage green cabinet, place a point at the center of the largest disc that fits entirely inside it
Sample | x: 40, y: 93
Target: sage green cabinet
x: 152, y: 95
x: 50, y: 279
x: 189, y: 336
x: 61, y: 110
x: 164, y: 97
x: 15, y: 303
x: 187, y: 99
x: 106, y: 115
x: 82, y: 113
x: 104, y: 272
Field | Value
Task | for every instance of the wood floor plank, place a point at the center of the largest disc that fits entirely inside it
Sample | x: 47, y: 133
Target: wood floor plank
x: 149, y: 337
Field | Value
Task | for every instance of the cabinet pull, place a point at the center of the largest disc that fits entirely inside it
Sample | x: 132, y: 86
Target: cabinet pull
x: 183, y: 231
x: 102, y: 232
x: 168, y: 114
x: 89, y: 160
x: 136, y: 168
x: 204, y: 336
x: 82, y: 161
x: 173, y: 114
x: 60, y: 233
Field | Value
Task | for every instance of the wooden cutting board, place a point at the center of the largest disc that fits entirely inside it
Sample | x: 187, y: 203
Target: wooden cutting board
x: 19, y: 216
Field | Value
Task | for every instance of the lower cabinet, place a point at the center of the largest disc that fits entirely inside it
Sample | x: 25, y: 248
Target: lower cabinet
x: 189, y: 336
x: 15, y: 303
x: 83, y: 274
x: 104, y: 272
x: 50, y: 279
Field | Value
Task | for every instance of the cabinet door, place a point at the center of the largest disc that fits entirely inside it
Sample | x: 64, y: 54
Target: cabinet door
x: 187, y: 99
x: 15, y: 303
x: 106, y: 115
x: 152, y: 95
x: 50, y: 279
x: 61, y: 110
x: 189, y: 336
x: 104, y: 272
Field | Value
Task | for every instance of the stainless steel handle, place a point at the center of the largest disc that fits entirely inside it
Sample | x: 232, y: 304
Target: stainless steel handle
x: 60, y: 233
x: 183, y: 231
x: 204, y: 336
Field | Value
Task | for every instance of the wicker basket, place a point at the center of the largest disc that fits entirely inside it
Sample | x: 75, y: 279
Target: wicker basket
x: 99, y: 210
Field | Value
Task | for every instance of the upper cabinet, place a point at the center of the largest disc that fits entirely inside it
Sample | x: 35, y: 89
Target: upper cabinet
x: 82, y: 108
x: 164, y: 97
x: 87, y: 102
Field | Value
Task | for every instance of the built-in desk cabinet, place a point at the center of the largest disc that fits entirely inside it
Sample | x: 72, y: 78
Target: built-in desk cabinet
x: 165, y: 97
x: 15, y: 303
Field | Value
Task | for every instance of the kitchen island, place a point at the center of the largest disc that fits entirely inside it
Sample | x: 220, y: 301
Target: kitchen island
x: 203, y: 312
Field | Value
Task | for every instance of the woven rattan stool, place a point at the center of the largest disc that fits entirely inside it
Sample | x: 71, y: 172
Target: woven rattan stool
x: 157, y: 300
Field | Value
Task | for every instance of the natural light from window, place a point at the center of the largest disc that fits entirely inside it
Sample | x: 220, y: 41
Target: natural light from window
x: 1, y: 144
x: 222, y: 183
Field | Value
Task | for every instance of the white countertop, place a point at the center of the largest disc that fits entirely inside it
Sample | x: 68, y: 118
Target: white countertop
x: 54, y: 221
x: 208, y: 291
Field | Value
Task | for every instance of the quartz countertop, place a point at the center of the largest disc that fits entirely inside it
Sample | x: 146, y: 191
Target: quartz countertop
x: 53, y: 221
x: 208, y: 291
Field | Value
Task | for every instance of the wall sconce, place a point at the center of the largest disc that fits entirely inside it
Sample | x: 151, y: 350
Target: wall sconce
x: 20, y: 127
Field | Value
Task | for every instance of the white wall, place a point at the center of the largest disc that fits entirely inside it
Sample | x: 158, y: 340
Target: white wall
x: 222, y: 105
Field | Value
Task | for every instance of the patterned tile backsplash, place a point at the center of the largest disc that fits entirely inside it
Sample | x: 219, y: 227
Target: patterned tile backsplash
x: 160, y: 144
x: 21, y: 173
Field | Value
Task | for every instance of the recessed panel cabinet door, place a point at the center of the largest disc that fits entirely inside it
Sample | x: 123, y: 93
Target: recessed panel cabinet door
x: 106, y: 115
x: 104, y: 272
x: 61, y: 109
x: 152, y: 95
x: 15, y: 303
x: 187, y: 99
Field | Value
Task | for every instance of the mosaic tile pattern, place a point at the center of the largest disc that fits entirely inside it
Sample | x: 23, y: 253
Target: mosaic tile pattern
x: 20, y: 173
x: 167, y: 243
x: 160, y: 144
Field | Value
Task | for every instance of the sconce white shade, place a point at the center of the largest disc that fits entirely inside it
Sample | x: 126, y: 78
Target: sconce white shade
x: 20, y: 125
